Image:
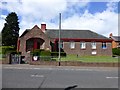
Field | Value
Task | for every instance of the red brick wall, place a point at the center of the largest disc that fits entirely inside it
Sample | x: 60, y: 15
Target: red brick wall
x: 35, y: 32
x: 88, y: 50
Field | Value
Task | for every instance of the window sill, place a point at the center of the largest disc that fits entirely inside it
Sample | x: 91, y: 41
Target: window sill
x: 72, y: 48
x: 104, y: 48
x: 83, y: 49
x: 94, y: 48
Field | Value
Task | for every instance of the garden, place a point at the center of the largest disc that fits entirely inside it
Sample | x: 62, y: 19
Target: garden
x: 53, y: 56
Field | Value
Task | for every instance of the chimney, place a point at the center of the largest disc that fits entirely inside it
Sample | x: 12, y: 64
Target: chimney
x: 110, y: 35
x: 43, y: 27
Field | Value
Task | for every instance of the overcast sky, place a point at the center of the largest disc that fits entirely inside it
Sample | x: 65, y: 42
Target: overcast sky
x: 100, y: 17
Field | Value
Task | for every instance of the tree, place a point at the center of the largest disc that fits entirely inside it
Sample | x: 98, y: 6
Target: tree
x: 10, y: 31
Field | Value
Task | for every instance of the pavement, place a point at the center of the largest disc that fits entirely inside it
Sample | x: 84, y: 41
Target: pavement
x: 36, y: 76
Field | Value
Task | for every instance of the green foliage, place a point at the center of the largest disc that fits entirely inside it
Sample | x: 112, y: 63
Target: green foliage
x: 56, y: 54
x: 10, y: 31
x: 116, y: 51
x: 45, y: 53
x: 40, y: 52
x: 36, y: 52
x: 6, y: 49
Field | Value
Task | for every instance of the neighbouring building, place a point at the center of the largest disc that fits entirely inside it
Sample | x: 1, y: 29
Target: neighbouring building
x: 115, y: 41
x: 78, y: 42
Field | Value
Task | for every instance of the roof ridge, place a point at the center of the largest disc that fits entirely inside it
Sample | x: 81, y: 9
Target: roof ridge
x: 70, y: 29
x: 115, y: 36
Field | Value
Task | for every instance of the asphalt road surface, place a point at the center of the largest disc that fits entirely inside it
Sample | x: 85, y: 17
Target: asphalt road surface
x: 26, y: 76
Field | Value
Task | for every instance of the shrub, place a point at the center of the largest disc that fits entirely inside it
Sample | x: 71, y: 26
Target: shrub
x: 7, y: 49
x: 116, y: 51
x: 36, y: 52
x: 44, y: 54
x: 4, y: 50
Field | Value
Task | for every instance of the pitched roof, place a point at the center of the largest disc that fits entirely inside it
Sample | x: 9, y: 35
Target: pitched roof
x: 66, y: 33
x: 70, y: 33
x: 27, y: 30
x: 116, y: 38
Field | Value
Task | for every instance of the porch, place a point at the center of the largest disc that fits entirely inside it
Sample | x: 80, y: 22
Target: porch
x: 34, y: 43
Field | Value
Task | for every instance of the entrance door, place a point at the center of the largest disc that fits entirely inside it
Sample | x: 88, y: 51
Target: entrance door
x: 38, y: 45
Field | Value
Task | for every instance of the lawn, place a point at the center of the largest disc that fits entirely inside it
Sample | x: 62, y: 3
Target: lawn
x: 89, y: 58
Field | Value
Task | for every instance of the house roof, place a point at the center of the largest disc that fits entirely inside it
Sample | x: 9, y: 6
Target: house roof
x: 116, y: 38
x: 66, y: 33
x: 27, y: 30
x: 71, y: 34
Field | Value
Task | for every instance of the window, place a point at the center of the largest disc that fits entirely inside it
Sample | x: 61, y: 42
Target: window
x: 72, y: 45
x: 61, y: 44
x: 82, y: 45
x: 104, y: 46
x: 118, y: 44
x: 29, y: 45
x: 93, y: 44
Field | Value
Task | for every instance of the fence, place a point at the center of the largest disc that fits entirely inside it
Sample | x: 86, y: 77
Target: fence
x: 15, y: 59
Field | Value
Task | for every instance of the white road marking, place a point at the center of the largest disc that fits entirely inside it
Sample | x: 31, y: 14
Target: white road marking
x: 37, y: 75
x: 112, y: 77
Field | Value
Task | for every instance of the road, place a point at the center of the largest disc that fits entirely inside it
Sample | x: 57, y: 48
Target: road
x: 26, y: 76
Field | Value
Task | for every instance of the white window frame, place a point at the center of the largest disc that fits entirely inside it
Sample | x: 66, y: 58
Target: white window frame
x: 72, y: 45
x: 93, y: 45
x: 104, y: 44
x: 83, y: 45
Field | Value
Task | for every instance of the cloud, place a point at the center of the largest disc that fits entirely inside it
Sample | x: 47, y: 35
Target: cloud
x: 2, y: 21
x: 103, y: 23
x: 2, y: 16
x: 34, y: 12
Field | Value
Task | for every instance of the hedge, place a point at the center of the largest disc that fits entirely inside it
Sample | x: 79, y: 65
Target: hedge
x: 116, y: 51
x: 36, y: 52
x: 44, y: 54
x: 6, y: 49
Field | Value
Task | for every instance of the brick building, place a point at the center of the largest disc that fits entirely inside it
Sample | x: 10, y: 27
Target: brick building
x: 79, y: 42
x: 115, y: 41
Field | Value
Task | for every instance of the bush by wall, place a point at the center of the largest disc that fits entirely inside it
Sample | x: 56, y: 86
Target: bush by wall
x: 6, y: 49
x: 36, y: 52
x: 116, y: 51
x: 43, y: 54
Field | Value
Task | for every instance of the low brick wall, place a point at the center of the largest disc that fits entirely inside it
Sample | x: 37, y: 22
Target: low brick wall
x: 5, y: 61
x: 74, y: 63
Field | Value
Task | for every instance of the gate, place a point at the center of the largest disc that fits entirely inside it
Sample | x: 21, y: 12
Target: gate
x: 15, y: 59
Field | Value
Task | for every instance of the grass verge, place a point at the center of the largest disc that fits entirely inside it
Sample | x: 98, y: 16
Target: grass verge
x: 97, y: 59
